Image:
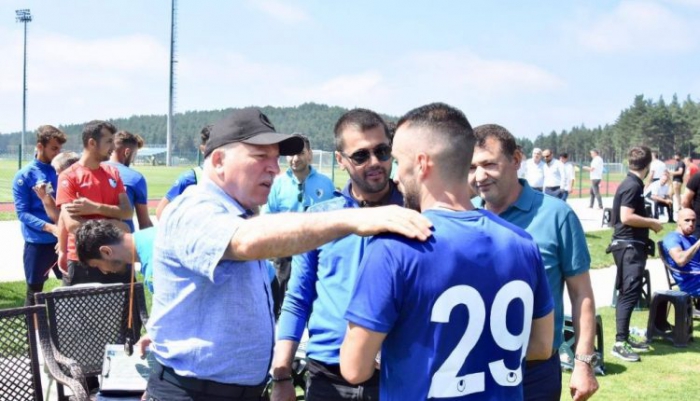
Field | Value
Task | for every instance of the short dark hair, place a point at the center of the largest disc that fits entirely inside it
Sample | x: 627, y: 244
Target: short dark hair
x: 564, y: 155
x: 126, y: 138
x: 451, y: 127
x: 361, y: 119
x: 93, y: 130
x: 93, y: 234
x: 205, y: 133
x: 499, y: 133
x: 46, y: 133
x: 639, y: 158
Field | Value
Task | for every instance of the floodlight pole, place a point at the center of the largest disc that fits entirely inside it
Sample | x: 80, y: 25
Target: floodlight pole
x: 24, y: 16
x: 171, y: 89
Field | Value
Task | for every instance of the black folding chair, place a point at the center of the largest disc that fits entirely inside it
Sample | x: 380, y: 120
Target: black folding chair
x: 83, y: 319
x: 20, y: 374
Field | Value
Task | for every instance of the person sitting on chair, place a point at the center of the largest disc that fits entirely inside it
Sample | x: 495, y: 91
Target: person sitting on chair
x: 682, y: 249
x: 659, y: 195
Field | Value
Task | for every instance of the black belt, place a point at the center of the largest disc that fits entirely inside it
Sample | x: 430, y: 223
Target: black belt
x: 552, y: 188
x: 207, y: 386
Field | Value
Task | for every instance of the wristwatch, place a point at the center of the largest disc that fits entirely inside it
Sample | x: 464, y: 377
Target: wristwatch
x: 591, y: 359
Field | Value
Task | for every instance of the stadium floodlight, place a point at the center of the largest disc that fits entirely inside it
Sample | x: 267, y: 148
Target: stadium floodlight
x: 24, y: 16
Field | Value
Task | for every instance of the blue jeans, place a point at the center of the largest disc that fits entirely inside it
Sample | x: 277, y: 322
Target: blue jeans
x: 542, y: 380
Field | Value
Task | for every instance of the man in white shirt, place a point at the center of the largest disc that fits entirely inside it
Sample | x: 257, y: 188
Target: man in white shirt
x: 596, y: 174
x: 657, y: 168
x: 569, y: 175
x: 554, y: 175
x: 660, y: 197
x: 534, y: 170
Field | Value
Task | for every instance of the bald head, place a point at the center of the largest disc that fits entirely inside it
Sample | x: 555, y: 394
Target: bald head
x: 686, y: 221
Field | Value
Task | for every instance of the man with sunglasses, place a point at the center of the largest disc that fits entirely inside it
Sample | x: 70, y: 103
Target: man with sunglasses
x: 322, y: 280
x: 294, y: 191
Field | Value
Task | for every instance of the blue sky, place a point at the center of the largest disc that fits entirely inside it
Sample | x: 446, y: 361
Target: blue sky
x: 532, y: 66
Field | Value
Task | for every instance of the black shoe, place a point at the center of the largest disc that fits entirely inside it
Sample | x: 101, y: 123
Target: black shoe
x: 671, y: 221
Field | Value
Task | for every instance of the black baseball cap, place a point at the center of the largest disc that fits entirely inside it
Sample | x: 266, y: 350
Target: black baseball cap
x: 251, y: 126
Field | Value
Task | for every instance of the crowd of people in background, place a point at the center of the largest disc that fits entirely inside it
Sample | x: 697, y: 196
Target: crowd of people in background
x: 384, y: 292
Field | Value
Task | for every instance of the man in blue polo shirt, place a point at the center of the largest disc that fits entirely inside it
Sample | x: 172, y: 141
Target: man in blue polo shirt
x: 126, y: 145
x: 208, y: 253
x: 300, y: 187
x: 562, y: 243
x: 38, y: 228
x: 322, y: 279
x: 186, y: 178
x: 461, y: 327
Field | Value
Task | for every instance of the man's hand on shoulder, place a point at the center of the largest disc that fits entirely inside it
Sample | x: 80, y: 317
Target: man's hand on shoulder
x: 395, y: 219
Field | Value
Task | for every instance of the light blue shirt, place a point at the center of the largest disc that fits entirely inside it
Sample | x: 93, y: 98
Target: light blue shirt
x: 143, y: 245
x: 284, y: 194
x: 560, y: 238
x: 211, y: 318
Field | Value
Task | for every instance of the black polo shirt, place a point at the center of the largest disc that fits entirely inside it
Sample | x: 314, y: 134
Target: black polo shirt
x: 630, y: 193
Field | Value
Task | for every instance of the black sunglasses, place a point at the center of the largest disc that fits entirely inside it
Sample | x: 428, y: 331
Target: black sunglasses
x: 381, y: 152
x: 300, y: 197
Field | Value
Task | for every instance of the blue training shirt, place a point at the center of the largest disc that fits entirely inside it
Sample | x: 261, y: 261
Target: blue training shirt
x: 322, y: 280
x: 184, y: 180
x: 285, y: 191
x: 136, y: 188
x: 689, y: 283
x: 30, y: 211
x: 457, y: 309
x: 211, y: 318
x: 143, y: 243
x: 559, y: 235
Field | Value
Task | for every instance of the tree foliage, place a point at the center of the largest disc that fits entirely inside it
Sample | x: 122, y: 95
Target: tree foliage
x: 668, y: 128
x: 313, y: 120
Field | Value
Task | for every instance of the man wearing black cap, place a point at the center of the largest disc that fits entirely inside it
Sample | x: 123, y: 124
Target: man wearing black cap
x: 212, y: 325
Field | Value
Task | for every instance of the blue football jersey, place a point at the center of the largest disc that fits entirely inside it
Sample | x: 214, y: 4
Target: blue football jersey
x: 457, y: 309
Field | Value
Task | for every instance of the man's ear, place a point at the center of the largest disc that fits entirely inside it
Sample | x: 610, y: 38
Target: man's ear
x: 106, y: 252
x: 339, y: 160
x: 422, y: 165
x: 127, y: 152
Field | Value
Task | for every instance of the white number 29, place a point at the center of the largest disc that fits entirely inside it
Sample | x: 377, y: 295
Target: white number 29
x: 446, y: 382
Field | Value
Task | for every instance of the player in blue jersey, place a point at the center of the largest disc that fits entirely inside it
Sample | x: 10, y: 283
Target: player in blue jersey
x: 457, y: 316
x: 126, y: 146
x: 39, y: 228
x: 187, y: 178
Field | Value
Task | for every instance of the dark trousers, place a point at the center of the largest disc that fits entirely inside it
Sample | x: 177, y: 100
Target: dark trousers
x: 542, y: 380
x: 564, y: 195
x: 658, y: 207
x: 595, y: 193
x: 332, y: 386
x: 38, y: 260
x: 631, y: 262
x: 78, y: 273
x: 166, y: 386
x: 283, y: 269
